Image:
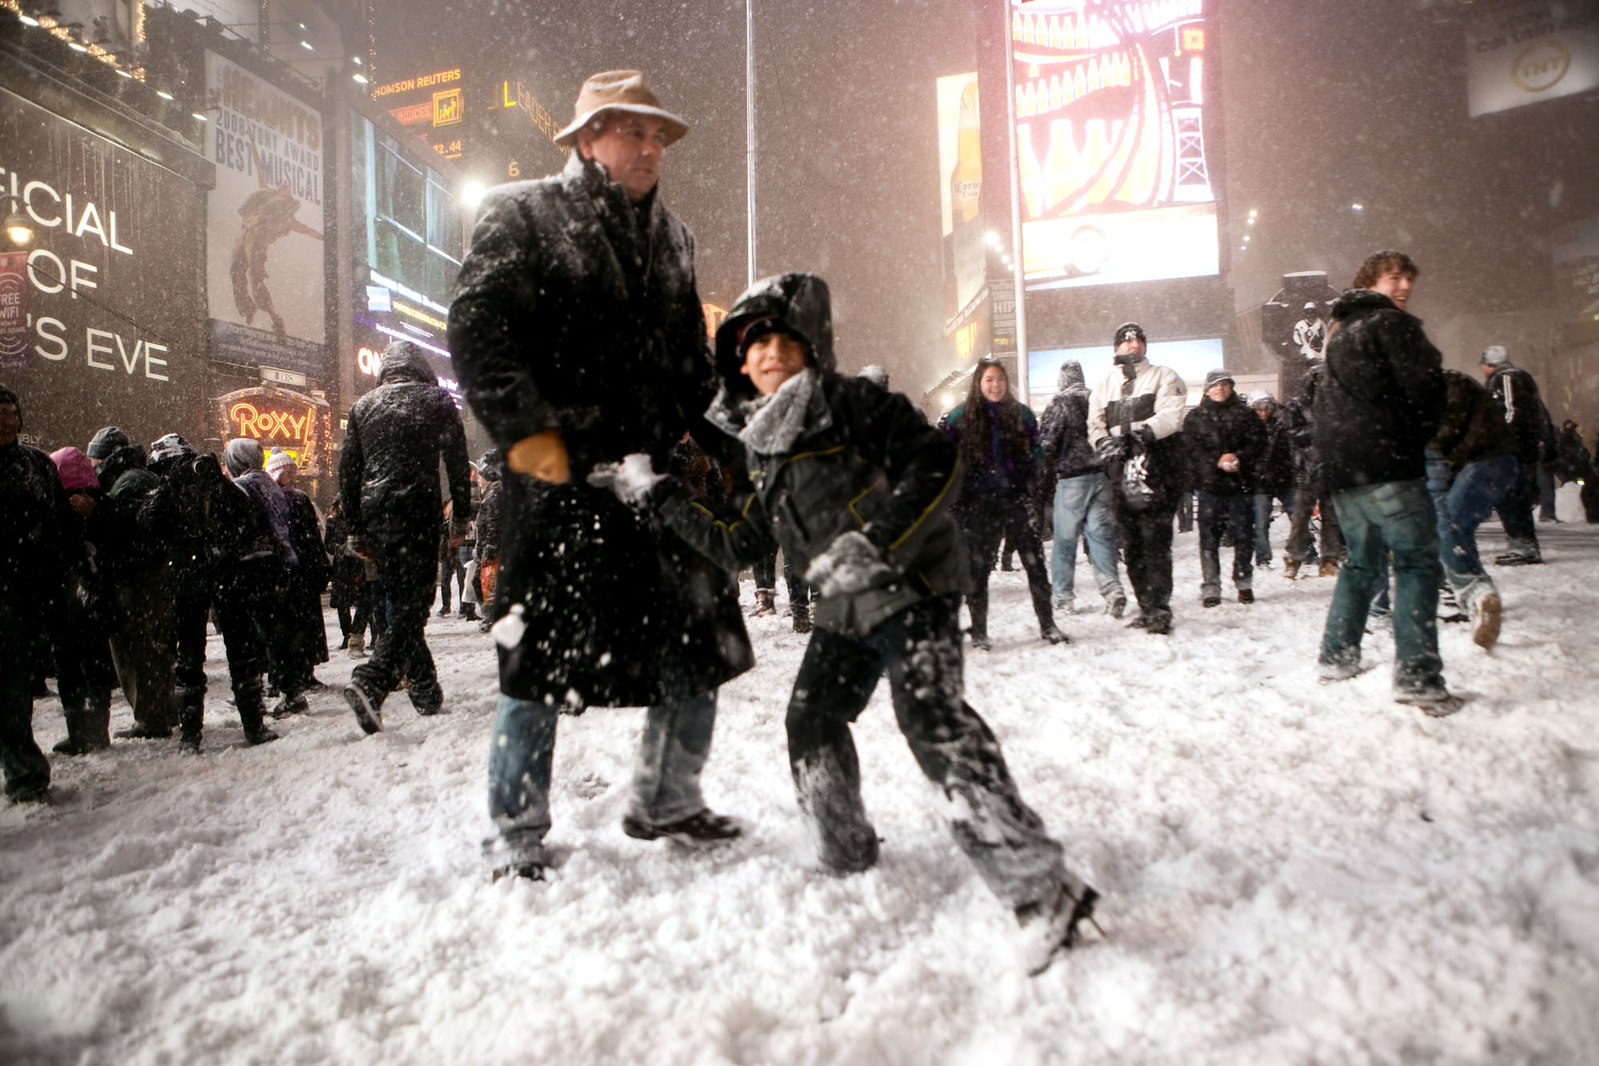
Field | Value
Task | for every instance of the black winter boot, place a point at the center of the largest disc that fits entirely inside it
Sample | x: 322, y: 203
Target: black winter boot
x: 251, y: 712
x: 191, y: 715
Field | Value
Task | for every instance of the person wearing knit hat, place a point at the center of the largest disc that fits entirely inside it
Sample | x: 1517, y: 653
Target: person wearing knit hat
x: 1516, y: 393
x: 30, y: 577
x: 279, y: 462
x: 1135, y: 423
x: 106, y: 441
x: 1224, y: 441
x: 133, y: 565
x: 597, y: 593
x: 76, y: 469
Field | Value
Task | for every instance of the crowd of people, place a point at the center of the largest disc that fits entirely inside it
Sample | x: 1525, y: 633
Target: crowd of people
x: 118, y: 559
x: 604, y: 534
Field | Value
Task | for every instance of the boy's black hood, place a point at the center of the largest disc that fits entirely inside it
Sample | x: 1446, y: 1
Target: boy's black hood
x: 800, y: 302
x: 1358, y: 301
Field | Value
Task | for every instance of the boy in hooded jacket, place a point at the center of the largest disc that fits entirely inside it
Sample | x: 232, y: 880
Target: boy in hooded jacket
x: 856, y: 487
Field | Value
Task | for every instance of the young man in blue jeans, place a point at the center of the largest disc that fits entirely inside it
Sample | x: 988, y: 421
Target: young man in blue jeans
x: 1377, y: 406
x: 1083, y: 504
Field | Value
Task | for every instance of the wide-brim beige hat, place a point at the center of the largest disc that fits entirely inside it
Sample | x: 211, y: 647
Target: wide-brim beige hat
x: 618, y: 90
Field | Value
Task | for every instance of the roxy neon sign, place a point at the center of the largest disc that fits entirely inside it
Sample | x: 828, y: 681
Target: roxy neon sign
x: 272, y: 425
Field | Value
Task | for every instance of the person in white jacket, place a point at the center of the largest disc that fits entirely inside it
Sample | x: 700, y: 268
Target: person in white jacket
x: 1135, y: 422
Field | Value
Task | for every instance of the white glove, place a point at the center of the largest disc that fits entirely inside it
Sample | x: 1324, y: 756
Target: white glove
x: 851, y: 564
x: 631, y: 479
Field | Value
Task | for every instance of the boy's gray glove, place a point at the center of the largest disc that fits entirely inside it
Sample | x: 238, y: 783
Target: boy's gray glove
x: 851, y: 564
x: 632, y: 479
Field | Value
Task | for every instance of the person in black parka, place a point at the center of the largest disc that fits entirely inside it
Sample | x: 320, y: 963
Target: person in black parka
x: 33, y: 516
x: 1378, y: 405
x: 222, y: 564
x: 389, y: 480
x: 1274, y: 482
x: 579, y: 337
x: 1225, y: 440
x: 1516, y: 393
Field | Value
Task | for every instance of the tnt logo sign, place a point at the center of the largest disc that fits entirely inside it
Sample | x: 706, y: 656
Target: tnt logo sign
x: 446, y: 107
x: 1540, y: 66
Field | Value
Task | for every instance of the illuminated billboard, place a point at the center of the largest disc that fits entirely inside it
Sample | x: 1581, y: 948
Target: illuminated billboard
x: 264, y: 273
x: 960, y: 169
x: 1110, y: 141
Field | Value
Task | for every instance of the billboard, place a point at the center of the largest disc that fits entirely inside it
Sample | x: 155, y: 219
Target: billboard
x: 112, y: 325
x: 1522, y: 53
x: 264, y: 272
x: 960, y: 171
x: 1110, y: 140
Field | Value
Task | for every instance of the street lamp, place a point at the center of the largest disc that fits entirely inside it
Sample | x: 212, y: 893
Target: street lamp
x: 19, y: 231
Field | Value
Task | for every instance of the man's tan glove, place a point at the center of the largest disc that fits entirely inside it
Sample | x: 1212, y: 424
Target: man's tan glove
x: 542, y: 456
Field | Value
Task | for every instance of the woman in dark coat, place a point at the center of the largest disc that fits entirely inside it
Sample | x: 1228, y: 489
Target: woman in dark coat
x: 304, y: 633
x: 996, y: 436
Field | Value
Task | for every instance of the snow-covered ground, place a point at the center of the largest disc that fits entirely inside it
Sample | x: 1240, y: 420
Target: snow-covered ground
x: 1291, y: 873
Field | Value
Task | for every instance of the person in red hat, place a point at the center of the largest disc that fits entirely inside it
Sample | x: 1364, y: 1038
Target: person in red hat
x: 579, y: 338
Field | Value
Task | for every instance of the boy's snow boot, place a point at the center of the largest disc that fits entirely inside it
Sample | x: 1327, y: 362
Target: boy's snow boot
x: 295, y: 704
x: 802, y: 619
x: 1117, y: 605
x: 358, y: 645
x: 468, y: 612
x: 1050, y: 927
x: 1290, y: 568
x: 1328, y: 568
x: 368, y: 711
x: 765, y: 602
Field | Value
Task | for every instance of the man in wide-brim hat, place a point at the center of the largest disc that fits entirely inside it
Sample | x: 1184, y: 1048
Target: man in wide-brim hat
x: 579, y: 338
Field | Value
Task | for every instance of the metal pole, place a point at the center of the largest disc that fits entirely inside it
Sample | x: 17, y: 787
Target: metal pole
x: 1017, y: 272
x: 749, y: 125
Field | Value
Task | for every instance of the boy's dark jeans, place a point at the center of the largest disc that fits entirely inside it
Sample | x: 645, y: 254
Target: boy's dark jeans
x: 1235, y: 512
x: 921, y: 649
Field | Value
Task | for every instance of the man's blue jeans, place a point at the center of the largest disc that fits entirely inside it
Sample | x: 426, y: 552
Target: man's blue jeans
x: 1263, y: 502
x: 1463, y: 500
x: 1515, y: 510
x: 1399, y: 514
x: 666, y: 773
x: 1083, y: 506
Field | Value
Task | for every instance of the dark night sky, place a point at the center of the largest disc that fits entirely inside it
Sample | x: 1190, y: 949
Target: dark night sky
x: 1326, y: 105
